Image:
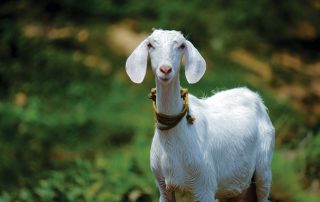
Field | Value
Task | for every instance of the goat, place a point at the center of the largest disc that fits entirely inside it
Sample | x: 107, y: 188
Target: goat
x: 230, y: 142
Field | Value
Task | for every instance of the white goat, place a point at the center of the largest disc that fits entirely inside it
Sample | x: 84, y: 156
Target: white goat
x: 230, y: 142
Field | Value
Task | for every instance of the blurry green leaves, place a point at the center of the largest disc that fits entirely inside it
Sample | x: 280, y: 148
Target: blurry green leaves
x: 312, y: 158
x: 286, y: 184
x: 48, y: 100
x: 45, y: 191
x: 57, y: 105
x: 283, y: 167
x: 102, y: 180
x: 5, y: 197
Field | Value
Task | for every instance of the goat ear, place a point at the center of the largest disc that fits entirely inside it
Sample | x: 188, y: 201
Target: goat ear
x: 195, y: 64
x: 136, y: 65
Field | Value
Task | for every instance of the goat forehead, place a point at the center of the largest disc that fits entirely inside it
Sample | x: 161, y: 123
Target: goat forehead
x: 166, y: 36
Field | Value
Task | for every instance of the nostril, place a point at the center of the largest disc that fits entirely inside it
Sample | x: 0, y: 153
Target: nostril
x: 165, y: 69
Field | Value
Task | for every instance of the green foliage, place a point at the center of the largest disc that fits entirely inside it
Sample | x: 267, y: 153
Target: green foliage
x: 42, y: 119
x: 226, y: 24
x: 76, y: 130
x: 282, y: 167
x: 312, y: 153
x: 286, y: 185
x: 98, y: 180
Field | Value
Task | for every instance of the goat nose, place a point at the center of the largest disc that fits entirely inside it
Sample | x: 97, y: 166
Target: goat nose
x: 165, y: 69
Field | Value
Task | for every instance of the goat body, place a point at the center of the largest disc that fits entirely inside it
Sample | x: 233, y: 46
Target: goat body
x: 230, y: 142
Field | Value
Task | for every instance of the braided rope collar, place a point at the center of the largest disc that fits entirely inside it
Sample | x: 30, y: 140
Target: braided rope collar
x: 166, y: 122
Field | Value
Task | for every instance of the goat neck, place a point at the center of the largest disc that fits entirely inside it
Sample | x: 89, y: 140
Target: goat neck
x: 168, y: 99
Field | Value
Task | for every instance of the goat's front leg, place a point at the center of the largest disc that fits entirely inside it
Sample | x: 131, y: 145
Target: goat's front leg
x: 205, y: 197
x: 203, y: 190
x: 166, y: 194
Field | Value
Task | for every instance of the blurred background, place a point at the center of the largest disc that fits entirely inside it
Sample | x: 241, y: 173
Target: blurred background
x: 74, y: 128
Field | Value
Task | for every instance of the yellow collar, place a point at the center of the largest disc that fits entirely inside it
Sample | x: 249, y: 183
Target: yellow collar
x: 166, y: 122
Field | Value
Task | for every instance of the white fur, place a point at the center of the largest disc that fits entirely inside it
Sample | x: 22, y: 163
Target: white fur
x: 231, y: 140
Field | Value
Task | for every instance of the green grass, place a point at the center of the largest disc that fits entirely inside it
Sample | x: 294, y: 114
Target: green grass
x: 287, y: 178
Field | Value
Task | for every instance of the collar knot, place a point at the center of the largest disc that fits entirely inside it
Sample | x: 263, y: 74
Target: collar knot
x: 166, y: 122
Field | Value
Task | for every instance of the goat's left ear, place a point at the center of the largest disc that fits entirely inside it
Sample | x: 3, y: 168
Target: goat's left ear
x: 136, y: 65
x: 195, y: 64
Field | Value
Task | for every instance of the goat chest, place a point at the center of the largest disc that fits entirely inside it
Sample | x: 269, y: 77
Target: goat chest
x: 177, y: 167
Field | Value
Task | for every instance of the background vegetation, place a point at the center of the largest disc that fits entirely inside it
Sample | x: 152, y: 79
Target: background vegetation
x: 74, y: 128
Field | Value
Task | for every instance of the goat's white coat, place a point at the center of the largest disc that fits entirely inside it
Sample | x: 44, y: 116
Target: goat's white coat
x: 231, y: 140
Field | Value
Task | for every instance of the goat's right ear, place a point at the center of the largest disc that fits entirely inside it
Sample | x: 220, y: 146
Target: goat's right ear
x: 136, y: 65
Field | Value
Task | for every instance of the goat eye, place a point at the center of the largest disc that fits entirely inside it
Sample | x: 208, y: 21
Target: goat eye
x: 150, y: 45
x: 182, y: 46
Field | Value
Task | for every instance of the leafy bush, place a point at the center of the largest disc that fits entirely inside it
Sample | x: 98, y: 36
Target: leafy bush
x: 286, y: 184
x: 312, y: 158
x: 36, y: 74
x: 101, y: 180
